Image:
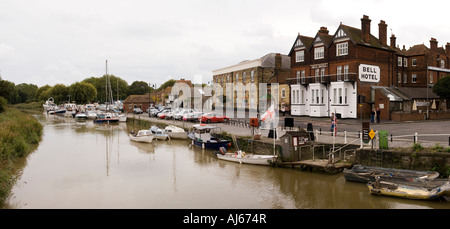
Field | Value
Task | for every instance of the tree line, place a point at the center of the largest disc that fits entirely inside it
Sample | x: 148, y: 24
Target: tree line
x: 89, y: 90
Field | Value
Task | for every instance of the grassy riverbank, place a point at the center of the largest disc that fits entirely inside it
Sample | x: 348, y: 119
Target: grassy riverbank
x: 19, y: 134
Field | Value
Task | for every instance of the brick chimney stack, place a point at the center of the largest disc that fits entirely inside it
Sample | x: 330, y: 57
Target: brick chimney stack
x: 382, y: 33
x: 323, y: 30
x: 433, y: 44
x: 365, y: 29
x: 393, y: 41
x: 447, y: 49
x: 278, y: 61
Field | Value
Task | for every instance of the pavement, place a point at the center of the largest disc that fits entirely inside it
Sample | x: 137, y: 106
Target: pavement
x: 400, y: 134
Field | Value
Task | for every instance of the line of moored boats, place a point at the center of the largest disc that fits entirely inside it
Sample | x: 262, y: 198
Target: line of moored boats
x: 99, y: 113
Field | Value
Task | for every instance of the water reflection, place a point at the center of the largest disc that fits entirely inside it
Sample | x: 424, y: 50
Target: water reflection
x: 87, y: 165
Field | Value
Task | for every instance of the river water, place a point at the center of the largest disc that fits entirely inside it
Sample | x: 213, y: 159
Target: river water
x: 87, y: 165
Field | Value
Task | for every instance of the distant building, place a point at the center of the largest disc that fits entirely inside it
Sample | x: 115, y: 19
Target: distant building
x: 271, y: 68
x: 136, y: 101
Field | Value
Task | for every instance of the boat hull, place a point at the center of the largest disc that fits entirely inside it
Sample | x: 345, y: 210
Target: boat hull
x: 160, y: 137
x: 177, y: 135
x: 143, y: 139
x: 215, y: 145
x: 365, y: 174
x: 112, y: 120
x: 408, y: 190
x: 249, y: 159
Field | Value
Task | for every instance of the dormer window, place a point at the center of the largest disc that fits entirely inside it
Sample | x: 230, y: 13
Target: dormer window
x: 341, y: 33
x: 298, y: 43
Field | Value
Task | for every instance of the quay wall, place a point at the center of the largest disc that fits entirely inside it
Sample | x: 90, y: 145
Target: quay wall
x: 405, y: 159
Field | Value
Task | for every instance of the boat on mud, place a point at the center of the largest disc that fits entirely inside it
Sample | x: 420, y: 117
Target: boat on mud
x: 417, y: 190
x: 364, y: 174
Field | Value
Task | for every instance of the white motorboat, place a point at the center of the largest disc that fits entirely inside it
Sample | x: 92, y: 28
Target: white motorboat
x: 81, y: 116
x: 145, y: 136
x: 91, y: 114
x: 243, y: 158
x: 175, y: 132
x: 159, y: 133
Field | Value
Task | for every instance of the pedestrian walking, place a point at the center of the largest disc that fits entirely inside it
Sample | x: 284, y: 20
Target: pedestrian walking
x: 378, y: 115
x: 372, y: 116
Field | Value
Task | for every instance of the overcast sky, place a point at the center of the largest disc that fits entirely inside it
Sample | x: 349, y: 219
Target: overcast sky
x: 58, y: 41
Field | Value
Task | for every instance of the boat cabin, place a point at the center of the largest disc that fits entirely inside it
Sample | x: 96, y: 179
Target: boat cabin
x: 203, y: 132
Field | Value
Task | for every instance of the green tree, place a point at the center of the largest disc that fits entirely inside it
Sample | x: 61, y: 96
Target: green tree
x: 442, y: 87
x: 168, y: 83
x: 8, y: 91
x: 26, y: 92
x: 139, y: 88
x: 118, y: 86
x: 40, y: 91
x: 60, y: 94
x: 82, y: 92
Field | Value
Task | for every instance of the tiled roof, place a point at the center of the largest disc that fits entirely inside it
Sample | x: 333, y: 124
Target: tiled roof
x: 137, y: 99
x: 417, y: 92
x: 416, y: 50
x: 355, y: 35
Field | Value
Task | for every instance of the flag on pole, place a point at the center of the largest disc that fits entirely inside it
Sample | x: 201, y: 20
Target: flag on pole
x: 270, y: 113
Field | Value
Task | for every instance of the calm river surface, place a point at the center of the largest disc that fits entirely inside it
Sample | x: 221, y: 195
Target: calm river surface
x: 87, y: 165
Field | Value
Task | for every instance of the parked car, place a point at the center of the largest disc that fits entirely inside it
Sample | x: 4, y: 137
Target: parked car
x: 192, y: 117
x: 152, y: 112
x: 159, y: 111
x: 171, y: 114
x: 137, y: 110
x: 213, y: 117
x: 163, y: 114
x: 179, y: 115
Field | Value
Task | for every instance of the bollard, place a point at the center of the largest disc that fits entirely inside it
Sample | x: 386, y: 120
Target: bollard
x: 391, y: 137
x: 345, y: 136
x: 361, y: 140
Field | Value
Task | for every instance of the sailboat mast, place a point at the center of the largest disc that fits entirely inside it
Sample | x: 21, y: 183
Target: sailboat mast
x: 106, y: 85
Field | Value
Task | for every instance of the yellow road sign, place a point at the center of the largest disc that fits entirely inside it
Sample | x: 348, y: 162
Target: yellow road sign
x: 371, y: 134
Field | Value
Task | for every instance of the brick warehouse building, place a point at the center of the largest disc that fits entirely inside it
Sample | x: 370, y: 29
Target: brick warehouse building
x: 329, y: 72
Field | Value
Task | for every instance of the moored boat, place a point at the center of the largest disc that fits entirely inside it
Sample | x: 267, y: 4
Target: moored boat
x: 364, y: 174
x: 105, y: 118
x: 201, y: 136
x: 243, y: 158
x: 91, y: 114
x: 158, y: 133
x: 418, y: 190
x: 81, y: 116
x: 145, y: 136
x: 175, y: 132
